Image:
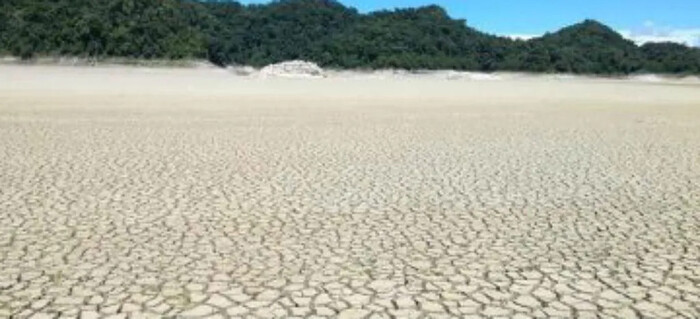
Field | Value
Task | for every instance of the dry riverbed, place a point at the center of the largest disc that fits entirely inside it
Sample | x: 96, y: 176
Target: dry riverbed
x: 197, y: 193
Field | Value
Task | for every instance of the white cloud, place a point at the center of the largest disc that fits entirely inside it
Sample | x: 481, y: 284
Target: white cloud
x: 650, y: 32
x: 521, y: 36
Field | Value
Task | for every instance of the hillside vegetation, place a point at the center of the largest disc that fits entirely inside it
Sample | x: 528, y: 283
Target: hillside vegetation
x: 322, y: 31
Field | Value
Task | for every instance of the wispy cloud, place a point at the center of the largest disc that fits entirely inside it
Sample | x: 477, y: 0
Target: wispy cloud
x: 651, y: 32
x: 521, y: 36
x: 648, y: 32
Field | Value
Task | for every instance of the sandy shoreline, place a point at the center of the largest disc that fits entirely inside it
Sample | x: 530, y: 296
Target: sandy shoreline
x: 197, y: 193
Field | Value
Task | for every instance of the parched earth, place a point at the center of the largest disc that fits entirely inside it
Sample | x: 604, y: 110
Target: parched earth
x: 351, y: 212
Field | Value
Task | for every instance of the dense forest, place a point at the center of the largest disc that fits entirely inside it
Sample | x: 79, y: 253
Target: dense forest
x: 323, y: 31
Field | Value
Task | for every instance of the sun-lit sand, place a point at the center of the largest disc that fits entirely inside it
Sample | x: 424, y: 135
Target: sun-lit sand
x: 196, y: 192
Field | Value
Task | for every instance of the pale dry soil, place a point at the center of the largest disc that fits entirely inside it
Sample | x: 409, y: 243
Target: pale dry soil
x: 193, y: 193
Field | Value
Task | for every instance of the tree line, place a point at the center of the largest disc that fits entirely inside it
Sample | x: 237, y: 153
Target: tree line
x: 323, y: 31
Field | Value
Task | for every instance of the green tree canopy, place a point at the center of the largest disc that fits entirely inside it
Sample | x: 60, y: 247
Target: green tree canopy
x: 323, y: 31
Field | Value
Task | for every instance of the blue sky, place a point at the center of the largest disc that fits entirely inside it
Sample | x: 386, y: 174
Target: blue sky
x: 640, y: 20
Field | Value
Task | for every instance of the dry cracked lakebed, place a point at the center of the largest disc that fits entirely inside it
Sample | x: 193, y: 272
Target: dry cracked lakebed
x: 185, y: 206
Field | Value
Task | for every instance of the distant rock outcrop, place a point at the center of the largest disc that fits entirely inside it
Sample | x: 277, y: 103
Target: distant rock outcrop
x: 474, y: 76
x: 294, y: 69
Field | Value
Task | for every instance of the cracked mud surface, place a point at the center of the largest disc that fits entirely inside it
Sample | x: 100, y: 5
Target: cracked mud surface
x: 317, y: 209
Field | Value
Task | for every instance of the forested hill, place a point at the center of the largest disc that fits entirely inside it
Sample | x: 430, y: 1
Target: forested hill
x: 323, y: 31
